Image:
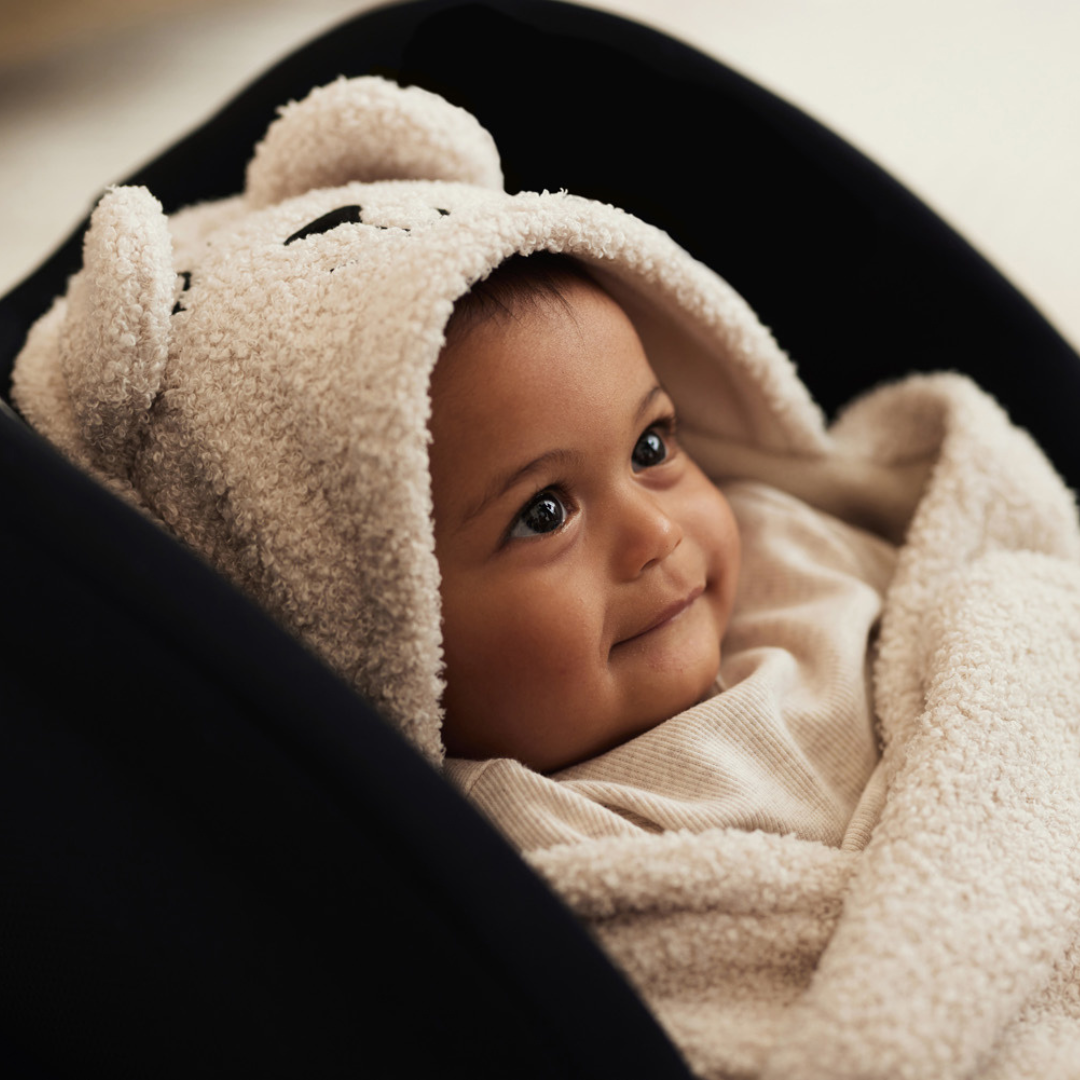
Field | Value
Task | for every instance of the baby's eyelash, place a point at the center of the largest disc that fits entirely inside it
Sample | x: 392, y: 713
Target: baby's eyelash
x: 667, y: 425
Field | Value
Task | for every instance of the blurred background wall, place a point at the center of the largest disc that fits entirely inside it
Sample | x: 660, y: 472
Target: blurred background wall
x: 975, y: 104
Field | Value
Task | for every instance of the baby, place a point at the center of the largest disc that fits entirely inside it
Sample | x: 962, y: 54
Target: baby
x: 589, y: 574
x: 588, y: 566
x: 548, y: 590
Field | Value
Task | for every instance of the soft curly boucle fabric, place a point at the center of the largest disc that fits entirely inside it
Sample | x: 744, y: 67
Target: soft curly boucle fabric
x: 947, y: 946
x: 253, y: 374
x: 369, y: 129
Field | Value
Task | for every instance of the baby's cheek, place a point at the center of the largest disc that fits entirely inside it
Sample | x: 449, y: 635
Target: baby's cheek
x: 712, y: 519
x: 722, y: 544
x: 551, y: 635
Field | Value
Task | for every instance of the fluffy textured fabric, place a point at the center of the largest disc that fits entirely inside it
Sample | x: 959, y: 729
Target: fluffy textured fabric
x: 253, y: 375
x: 946, y: 946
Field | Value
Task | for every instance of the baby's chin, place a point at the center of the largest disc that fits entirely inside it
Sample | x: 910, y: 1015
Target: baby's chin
x: 673, y: 700
x: 590, y: 731
x: 693, y: 697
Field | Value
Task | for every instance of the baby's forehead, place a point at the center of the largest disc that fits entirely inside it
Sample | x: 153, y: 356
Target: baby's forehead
x: 538, y: 351
x: 526, y: 317
x: 521, y: 287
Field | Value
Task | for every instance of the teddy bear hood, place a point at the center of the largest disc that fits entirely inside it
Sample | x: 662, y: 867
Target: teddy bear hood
x: 253, y: 373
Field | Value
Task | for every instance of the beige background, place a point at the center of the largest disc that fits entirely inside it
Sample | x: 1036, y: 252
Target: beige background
x: 973, y: 103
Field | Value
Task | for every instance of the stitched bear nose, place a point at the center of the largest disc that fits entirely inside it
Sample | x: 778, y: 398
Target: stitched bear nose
x: 185, y: 284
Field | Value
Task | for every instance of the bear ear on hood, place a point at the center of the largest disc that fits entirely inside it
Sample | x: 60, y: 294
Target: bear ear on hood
x: 114, y: 342
x: 369, y: 129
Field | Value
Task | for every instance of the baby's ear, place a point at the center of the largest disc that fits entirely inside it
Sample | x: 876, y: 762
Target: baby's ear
x: 115, y: 341
x: 369, y: 129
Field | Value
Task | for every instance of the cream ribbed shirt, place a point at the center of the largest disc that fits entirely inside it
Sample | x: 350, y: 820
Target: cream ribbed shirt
x: 787, y: 742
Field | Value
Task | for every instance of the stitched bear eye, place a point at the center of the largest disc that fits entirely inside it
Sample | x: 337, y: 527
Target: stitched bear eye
x: 185, y: 275
x: 343, y: 215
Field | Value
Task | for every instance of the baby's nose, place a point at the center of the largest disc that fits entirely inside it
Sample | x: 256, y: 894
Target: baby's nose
x: 649, y: 533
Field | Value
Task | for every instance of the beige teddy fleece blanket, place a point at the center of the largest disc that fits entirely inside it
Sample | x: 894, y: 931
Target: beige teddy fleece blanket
x: 253, y: 373
x: 946, y: 943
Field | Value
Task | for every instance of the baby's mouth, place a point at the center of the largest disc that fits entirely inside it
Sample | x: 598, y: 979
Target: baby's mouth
x: 662, y: 618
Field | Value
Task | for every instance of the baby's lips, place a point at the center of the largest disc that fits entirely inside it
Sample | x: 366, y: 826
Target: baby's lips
x: 665, y: 614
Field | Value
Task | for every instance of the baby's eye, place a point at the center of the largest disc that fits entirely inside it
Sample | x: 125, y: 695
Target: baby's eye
x: 650, y: 450
x: 544, y: 514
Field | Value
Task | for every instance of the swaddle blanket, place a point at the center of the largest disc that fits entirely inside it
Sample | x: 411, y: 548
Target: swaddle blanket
x: 252, y: 374
x: 947, y: 946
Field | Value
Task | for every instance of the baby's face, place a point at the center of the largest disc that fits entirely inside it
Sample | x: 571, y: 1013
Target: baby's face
x: 588, y: 565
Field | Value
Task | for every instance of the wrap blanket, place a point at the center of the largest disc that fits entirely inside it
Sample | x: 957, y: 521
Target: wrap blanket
x: 253, y: 375
x: 947, y: 947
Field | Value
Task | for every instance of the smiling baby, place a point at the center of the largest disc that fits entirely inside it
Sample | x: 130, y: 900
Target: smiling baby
x: 489, y: 456
x: 588, y: 566
x: 590, y: 571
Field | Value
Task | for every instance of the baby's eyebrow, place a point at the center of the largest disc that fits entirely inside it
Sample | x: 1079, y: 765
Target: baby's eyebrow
x: 504, y: 482
x: 648, y: 399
